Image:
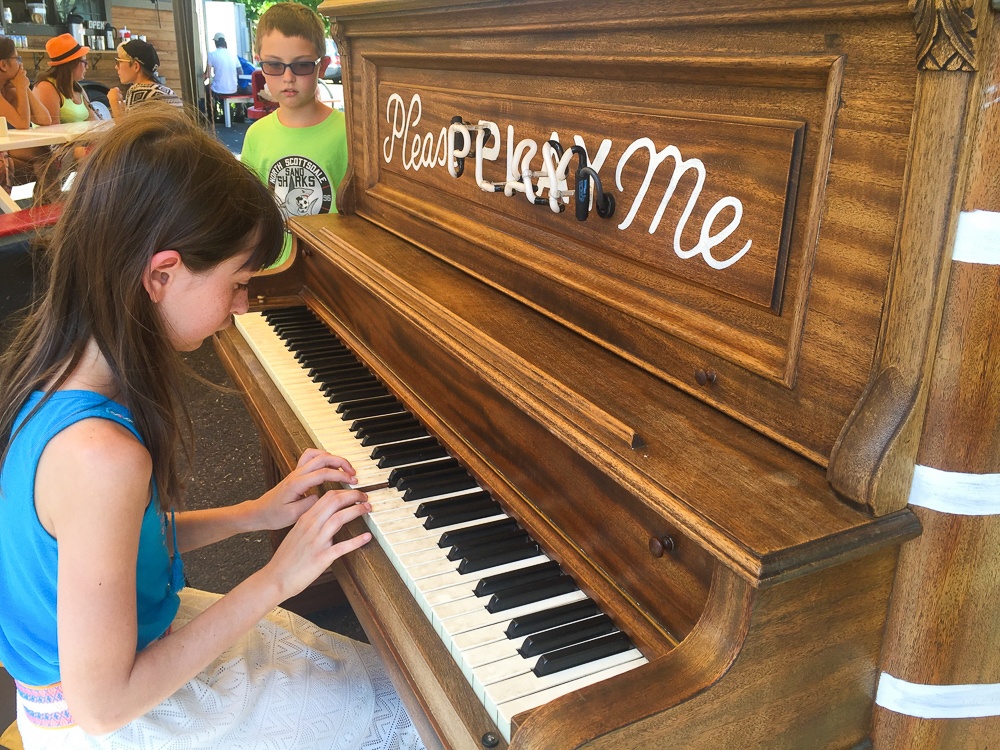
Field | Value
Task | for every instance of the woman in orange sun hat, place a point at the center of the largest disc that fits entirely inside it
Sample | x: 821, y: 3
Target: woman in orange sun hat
x: 58, y: 88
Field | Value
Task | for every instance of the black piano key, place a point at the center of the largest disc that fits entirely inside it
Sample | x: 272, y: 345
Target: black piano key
x: 531, y: 592
x: 389, y: 451
x: 319, y: 365
x: 303, y: 352
x: 550, y: 618
x: 581, y: 653
x: 295, y: 334
x: 375, y: 430
x: 432, y: 477
x: 453, y: 504
x: 523, y: 552
x: 566, y: 635
x: 456, y: 484
x: 280, y: 314
x: 358, y: 395
x: 413, y: 455
x: 293, y: 324
x: 311, y: 335
x: 515, y: 578
x: 483, y: 531
x: 394, y: 436
x: 408, y: 472
x: 441, y: 520
x: 381, y: 420
x: 340, y: 373
x: 336, y: 390
x: 387, y: 399
x: 474, y: 550
x: 334, y: 380
x: 371, y: 410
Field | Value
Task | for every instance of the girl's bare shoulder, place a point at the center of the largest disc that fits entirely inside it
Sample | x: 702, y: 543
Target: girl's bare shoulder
x: 97, y: 461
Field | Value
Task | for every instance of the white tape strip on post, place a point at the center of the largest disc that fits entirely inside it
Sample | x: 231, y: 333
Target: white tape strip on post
x: 954, y: 492
x: 937, y: 701
x: 977, y: 239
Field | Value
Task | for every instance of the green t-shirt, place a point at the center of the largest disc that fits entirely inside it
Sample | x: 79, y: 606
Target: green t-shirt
x: 303, y: 167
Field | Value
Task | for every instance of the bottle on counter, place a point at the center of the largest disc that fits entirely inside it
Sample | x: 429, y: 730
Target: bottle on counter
x: 8, y: 17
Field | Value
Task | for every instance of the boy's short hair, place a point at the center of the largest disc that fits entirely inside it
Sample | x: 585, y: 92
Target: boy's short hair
x: 292, y: 19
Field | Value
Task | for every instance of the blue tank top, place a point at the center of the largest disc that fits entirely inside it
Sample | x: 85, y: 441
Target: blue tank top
x: 29, y: 554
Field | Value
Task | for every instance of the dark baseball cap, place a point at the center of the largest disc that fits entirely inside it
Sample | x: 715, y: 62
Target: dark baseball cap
x: 144, y: 52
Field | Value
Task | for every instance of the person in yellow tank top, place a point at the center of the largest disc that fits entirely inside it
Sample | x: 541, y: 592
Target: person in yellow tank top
x: 58, y: 87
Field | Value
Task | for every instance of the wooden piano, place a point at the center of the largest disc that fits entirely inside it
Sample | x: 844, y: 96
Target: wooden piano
x: 659, y: 286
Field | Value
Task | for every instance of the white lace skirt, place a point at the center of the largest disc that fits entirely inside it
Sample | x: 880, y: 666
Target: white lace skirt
x: 286, y: 684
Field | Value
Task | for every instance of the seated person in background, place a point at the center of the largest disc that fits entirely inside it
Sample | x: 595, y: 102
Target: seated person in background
x: 19, y: 104
x: 21, y: 108
x: 136, y: 64
x: 223, y: 68
x: 58, y: 88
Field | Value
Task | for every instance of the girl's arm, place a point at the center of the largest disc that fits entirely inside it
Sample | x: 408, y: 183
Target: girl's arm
x: 48, y: 97
x: 275, y: 509
x: 92, y: 488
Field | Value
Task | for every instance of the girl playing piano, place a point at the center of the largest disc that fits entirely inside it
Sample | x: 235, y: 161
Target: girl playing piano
x: 157, y: 240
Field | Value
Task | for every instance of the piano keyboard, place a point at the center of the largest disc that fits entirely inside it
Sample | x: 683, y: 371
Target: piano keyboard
x: 520, y: 629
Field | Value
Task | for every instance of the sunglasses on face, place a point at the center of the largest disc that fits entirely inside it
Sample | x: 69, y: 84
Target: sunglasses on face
x: 300, y: 68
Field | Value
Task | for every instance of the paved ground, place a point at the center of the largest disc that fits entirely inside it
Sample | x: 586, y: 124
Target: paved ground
x: 226, y: 467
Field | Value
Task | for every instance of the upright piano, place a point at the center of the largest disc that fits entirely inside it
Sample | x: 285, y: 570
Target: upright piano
x: 625, y: 320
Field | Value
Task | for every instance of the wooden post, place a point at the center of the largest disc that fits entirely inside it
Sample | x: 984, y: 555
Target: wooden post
x: 944, y: 621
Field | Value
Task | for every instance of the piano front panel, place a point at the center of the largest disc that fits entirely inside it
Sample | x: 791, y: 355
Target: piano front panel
x: 805, y: 122
x: 784, y: 505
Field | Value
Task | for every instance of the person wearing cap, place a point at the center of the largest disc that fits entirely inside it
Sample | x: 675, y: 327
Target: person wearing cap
x: 58, y: 88
x: 223, y: 67
x: 136, y: 63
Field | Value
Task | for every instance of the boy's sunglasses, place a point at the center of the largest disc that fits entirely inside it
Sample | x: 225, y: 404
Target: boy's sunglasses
x: 300, y: 68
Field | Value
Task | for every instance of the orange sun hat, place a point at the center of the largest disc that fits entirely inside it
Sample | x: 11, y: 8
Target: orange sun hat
x: 63, y: 49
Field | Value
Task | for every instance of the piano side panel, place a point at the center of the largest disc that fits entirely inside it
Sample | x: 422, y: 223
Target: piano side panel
x: 803, y: 676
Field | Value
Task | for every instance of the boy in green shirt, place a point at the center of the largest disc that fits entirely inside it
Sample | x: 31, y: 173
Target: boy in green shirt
x: 299, y: 150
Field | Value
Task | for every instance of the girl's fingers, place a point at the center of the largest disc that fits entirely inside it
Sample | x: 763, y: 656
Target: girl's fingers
x: 342, y: 548
x: 300, y: 483
x: 332, y: 503
x: 308, y: 455
x: 313, y: 459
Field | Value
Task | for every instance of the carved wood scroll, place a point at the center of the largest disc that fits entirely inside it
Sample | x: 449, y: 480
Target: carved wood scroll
x: 946, y: 30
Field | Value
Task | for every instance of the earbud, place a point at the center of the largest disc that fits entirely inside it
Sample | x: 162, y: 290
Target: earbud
x: 164, y: 277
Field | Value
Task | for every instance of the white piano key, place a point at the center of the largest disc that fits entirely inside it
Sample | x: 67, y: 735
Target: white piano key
x: 506, y: 711
x: 495, y: 651
x: 527, y: 684
x: 463, y: 643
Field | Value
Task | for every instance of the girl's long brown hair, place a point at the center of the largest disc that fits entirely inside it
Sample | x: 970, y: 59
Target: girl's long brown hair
x: 155, y: 181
